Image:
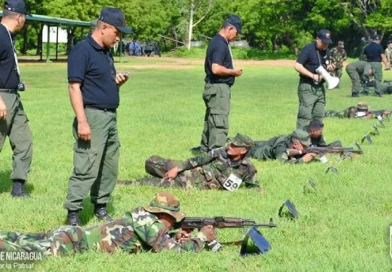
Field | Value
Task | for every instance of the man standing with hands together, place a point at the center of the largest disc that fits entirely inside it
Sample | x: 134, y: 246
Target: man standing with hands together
x: 220, y: 76
x: 94, y: 93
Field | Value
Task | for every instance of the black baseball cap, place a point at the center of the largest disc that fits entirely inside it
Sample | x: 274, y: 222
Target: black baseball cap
x: 235, y: 21
x: 18, y: 6
x: 377, y: 37
x: 324, y: 35
x: 114, y: 17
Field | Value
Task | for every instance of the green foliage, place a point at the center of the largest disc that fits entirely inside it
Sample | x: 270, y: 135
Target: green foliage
x: 238, y: 53
x: 271, y: 24
x: 342, y: 228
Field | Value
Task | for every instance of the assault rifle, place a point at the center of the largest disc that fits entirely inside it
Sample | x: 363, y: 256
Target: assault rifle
x: 324, y: 150
x: 221, y: 222
x: 381, y: 113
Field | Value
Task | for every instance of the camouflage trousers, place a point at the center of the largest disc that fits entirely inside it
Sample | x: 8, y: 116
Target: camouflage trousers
x: 62, y: 241
x: 188, y: 179
x: 157, y: 167
x: 332, y: 113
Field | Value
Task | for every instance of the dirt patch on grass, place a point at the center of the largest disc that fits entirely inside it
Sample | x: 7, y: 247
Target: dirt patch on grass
x: 162, y: 66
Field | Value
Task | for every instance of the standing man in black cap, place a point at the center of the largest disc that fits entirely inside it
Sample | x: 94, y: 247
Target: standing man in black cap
x: 220, y: 76
x: 311, y: 91
x: 374, y: 54
x: 13, y: 120
x: 94, y: 93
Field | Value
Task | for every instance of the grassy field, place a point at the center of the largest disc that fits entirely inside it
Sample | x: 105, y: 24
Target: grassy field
x: 344, y: 227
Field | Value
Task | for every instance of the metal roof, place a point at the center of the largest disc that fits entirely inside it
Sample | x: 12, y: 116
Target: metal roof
x: 54, y: 21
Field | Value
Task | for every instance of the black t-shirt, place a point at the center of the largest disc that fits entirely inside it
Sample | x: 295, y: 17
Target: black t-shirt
x: 9, y: 77
x: 373, y: 52
x: 218, y: 52
x: 311, y: 59
x: 93, y: 66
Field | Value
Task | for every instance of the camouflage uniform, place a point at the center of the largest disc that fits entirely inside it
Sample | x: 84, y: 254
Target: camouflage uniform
x: 361, y: 110
x: 275, y: 148
x: 138, y: 230
x: 207, y: 171
x: 338, y: 56
x: 350, y: 112
x: 388, y: 54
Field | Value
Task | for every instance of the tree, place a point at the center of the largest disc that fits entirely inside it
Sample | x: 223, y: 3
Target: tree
x: 86, y: 10
x: 200, y: 7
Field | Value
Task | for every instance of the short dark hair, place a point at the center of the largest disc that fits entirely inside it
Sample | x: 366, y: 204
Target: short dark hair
x: 226, y: 24
x: 99, y: 24
x: 315, y: 124
x: 9, y: 14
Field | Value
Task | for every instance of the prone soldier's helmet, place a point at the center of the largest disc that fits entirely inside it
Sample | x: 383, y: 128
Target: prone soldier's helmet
x: 301, y: 136
x: 362, y: 106
x: 165, y: 203
x: 242, y: 140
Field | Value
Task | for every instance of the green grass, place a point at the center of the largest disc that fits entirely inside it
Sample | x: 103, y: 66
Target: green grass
x: 342, y: 228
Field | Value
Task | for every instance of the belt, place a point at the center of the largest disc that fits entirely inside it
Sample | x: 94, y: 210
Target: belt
x: 8, y: 91
x: 210, y: 82
x: 97, y: 108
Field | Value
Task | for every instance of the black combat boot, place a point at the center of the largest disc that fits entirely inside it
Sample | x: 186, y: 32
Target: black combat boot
x: 101, y: 212
x: 73, y: 218
x: 18, y: 189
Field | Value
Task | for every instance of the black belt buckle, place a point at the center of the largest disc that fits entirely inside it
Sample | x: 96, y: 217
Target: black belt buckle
x: 96, y: 108
x: 109, y: 110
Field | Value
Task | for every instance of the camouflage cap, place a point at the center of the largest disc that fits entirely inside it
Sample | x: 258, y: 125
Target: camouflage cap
x: 166, y: 203
x: 242, y: 140
x: 301, y: 136
x: 362, y: 106
x: 341, y: 43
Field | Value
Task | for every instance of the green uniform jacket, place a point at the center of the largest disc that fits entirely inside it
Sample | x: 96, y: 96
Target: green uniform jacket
x: 275, y: 149
x: 215, y: 167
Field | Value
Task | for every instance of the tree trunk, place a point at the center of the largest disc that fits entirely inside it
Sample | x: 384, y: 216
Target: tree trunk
x: 70, y: 38
x: 24, y: 48
x: 291, y: 43
x: 190, y: 26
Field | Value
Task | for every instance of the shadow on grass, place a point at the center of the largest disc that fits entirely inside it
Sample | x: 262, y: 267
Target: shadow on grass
x: 6, y: 183
x: 87, y: 213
